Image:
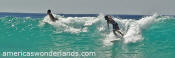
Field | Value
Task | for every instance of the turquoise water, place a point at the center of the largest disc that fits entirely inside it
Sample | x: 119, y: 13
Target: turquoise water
x: 149, y: 37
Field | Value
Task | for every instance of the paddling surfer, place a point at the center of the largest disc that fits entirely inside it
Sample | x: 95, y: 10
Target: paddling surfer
x: 51, y: 16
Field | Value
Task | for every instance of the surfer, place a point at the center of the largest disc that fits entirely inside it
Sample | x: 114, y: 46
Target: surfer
x: 115, y: 25
x: 51, y: 16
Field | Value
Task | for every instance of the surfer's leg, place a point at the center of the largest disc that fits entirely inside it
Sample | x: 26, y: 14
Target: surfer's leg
x: 114, y: 32
x: 119, y: 32
x: 117, y: 29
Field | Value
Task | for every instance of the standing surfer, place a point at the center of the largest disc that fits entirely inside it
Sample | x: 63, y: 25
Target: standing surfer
x: 115, y: 25
x: 51, y: 16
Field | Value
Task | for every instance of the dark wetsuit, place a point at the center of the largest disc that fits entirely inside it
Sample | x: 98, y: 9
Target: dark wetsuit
x: 115, y: 25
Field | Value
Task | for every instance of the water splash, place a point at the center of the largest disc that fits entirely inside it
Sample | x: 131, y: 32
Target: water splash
x: 130, y: 27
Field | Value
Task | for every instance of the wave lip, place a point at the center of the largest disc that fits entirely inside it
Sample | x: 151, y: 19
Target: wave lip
x: 134, y: 32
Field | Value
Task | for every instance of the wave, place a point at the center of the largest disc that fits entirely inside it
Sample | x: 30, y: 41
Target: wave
x: 132, y: 28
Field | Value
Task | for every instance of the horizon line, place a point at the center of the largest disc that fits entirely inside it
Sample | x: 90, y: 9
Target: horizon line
x: 75, y: 13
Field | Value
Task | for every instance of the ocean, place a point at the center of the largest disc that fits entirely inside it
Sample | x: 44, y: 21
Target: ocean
x: 145, y: 36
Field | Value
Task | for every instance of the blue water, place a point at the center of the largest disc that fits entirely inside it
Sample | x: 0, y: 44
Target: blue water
x: 146, y: 36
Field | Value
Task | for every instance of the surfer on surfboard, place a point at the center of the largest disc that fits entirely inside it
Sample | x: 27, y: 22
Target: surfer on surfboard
x: 51, y: 16
x: 115, y: 25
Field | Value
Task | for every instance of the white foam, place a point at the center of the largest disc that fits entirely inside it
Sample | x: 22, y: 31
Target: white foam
x: 110, y: 37
x: 134, y: 32
x: 65, y: 24
x: 101, y: 28
x: 130, y: 27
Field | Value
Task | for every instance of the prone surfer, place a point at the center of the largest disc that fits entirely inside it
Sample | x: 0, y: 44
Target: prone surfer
x: 51, y: 16
x: 115, y: 25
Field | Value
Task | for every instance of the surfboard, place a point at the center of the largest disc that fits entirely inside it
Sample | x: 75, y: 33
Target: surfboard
x: 118, y: 36
x: 117, y: 39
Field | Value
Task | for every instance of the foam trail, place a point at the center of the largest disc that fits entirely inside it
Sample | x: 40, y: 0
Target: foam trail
x: 67, y: 24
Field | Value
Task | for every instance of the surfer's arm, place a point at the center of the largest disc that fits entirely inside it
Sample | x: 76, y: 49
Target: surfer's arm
x: 108, y: 24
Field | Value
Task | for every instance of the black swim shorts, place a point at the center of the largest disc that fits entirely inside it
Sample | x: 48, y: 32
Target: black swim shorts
x: 115, y: 26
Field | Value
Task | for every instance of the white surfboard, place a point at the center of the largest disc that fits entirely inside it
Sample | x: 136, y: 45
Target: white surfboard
x: 118, y: 36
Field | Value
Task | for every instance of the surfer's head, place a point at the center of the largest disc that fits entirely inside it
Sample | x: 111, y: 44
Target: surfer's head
x: 107, y: 17
x: 48, y: 11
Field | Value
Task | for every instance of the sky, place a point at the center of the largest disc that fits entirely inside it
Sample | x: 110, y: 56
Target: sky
x: 144, y: 7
